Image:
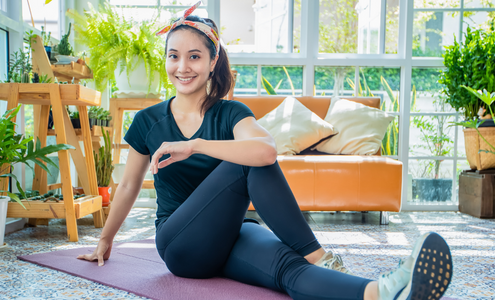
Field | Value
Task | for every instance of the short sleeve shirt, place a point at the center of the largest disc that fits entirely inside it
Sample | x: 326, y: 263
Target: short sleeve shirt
x: 156, y: 124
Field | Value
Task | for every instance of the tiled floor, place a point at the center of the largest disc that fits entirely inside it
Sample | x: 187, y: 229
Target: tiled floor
x: 367, y: 248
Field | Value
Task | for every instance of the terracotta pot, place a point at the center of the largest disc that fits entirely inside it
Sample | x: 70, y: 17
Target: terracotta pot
x: 104, y: 192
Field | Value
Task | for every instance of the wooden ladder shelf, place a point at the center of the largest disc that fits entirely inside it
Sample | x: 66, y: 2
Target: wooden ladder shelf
x: 59, y: 95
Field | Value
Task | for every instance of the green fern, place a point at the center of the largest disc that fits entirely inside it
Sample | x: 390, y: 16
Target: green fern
x: 115, y: 42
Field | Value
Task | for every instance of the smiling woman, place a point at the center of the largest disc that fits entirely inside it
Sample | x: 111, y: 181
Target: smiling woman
x: 210, y: 158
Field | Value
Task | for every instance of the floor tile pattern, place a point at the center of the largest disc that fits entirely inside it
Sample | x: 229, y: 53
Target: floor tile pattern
x: 368, y: 249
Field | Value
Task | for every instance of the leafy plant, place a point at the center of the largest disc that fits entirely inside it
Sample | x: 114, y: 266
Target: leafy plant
x: 20, y: 67
x: 272, y: 90
x: 472, y: 64
x: 74, y: 115
x: 45, y: 37
x: 115, y: 42
x: 103, y: 162
x: 434, y: 137
x: 16, y: 148
x: 64, y: 47
x: 488, y: 99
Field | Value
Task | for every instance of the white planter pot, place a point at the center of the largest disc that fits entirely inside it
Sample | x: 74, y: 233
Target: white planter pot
x: 118, y: 172
x: 139, y: 83
x: 4, y: 201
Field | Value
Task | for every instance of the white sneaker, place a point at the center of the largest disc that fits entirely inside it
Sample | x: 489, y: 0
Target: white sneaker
x: 333, y: 262
x: 425, y: 274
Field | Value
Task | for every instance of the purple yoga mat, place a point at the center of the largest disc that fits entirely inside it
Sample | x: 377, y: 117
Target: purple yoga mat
x: 136, y: 267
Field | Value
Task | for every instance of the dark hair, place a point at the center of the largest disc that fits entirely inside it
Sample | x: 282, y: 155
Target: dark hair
x: 221, y: 77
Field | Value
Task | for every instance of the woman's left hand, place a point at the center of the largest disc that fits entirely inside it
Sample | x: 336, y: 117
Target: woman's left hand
x: 178, y: 151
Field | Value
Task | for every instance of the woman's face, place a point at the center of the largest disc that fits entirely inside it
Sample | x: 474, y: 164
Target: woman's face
x: 188, y: 63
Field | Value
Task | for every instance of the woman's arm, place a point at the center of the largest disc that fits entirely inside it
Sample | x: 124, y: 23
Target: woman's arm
x: 252, y: 146
x: 126, y: 193
x: 125, y: 196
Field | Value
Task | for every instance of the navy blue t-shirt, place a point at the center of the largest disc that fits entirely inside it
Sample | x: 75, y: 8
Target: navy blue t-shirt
x: 156, y: 124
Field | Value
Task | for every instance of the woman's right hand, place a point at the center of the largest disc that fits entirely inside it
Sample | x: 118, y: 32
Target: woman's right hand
x: 101, y: 253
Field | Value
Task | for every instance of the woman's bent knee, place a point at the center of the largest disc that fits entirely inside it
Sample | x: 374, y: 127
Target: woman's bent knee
x: 184, y: 264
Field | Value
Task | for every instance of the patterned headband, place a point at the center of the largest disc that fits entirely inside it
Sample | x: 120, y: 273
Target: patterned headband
x: 210, y: 33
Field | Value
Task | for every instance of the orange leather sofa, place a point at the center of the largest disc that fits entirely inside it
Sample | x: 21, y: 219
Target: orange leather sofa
x: 336, y: 182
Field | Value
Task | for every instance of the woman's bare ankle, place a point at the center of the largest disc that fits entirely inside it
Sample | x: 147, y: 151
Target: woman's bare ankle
x: 371, y: 291
x: 315, y: 256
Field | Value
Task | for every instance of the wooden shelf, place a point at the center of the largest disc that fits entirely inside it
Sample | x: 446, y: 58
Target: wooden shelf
x: 53, y: 210
x: 72, y: 70
x: 43, y: 97
x: 96, y: 131
x: 39, y: 93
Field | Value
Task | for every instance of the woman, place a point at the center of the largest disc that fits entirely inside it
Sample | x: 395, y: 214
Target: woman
x: 209, y: 158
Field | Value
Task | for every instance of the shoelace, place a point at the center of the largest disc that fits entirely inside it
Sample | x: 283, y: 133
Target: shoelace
x: 388, y: 283
x: 336, y: 263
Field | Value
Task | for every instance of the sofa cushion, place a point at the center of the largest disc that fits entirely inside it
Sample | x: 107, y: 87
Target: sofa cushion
x: 294, y: 127
x: 361, y: 128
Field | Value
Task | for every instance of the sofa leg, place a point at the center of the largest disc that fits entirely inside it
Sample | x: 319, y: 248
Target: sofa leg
x: 384, y: 218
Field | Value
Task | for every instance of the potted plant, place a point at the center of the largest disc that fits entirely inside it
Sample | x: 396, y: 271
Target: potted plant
x: 92, y: 115
x: 480, y: 151
x: 109, y: 118
x: 16, y: 148
x: 471, y: 64
x: 435, y: 140
x: 65, y: 50
x: 46, y: 41
x: 74, y: 118
x: 113, y: 41
x: 104, y: 168
x: 20, y: 67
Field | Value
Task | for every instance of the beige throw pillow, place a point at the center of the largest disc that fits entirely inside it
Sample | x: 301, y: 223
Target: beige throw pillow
x: 361, y: 128
x: 294, y: 127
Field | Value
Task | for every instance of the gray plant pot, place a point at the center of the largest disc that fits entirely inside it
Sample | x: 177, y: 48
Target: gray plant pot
x: 426, y: 189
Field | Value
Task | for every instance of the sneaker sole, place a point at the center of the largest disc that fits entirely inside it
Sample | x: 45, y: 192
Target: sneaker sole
x: 432, y: 271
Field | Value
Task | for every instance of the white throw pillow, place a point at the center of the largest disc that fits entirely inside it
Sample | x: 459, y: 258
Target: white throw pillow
x: 361, y: 128
x: 294, y: 127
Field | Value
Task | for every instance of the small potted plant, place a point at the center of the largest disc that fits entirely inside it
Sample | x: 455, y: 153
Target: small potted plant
x: 104, y: 168
x: 74, y: 118
x: 20, y: 67
x: 17, y: 148
x: 46, y: 41
x: 109, y: 118
x: 65, y: 50
x: 92, y: 115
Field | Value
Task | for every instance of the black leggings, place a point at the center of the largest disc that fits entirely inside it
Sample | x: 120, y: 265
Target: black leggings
x: 206, y: 236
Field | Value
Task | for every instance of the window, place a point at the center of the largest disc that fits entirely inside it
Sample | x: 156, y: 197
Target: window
x: 437, y: 23
x: 43, y: 15
x: 161, y: 10
x: 365, y: 26
x: 263, y: 26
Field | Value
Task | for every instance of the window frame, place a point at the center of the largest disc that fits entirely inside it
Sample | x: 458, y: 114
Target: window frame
x: 309, y: 58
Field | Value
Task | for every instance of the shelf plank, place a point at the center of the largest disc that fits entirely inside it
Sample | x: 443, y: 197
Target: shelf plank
x: 38, y: 93
x: 53, y: 210
x: 72, y: 70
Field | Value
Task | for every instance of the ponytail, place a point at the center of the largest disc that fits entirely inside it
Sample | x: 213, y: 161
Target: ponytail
x: 220, y: 81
